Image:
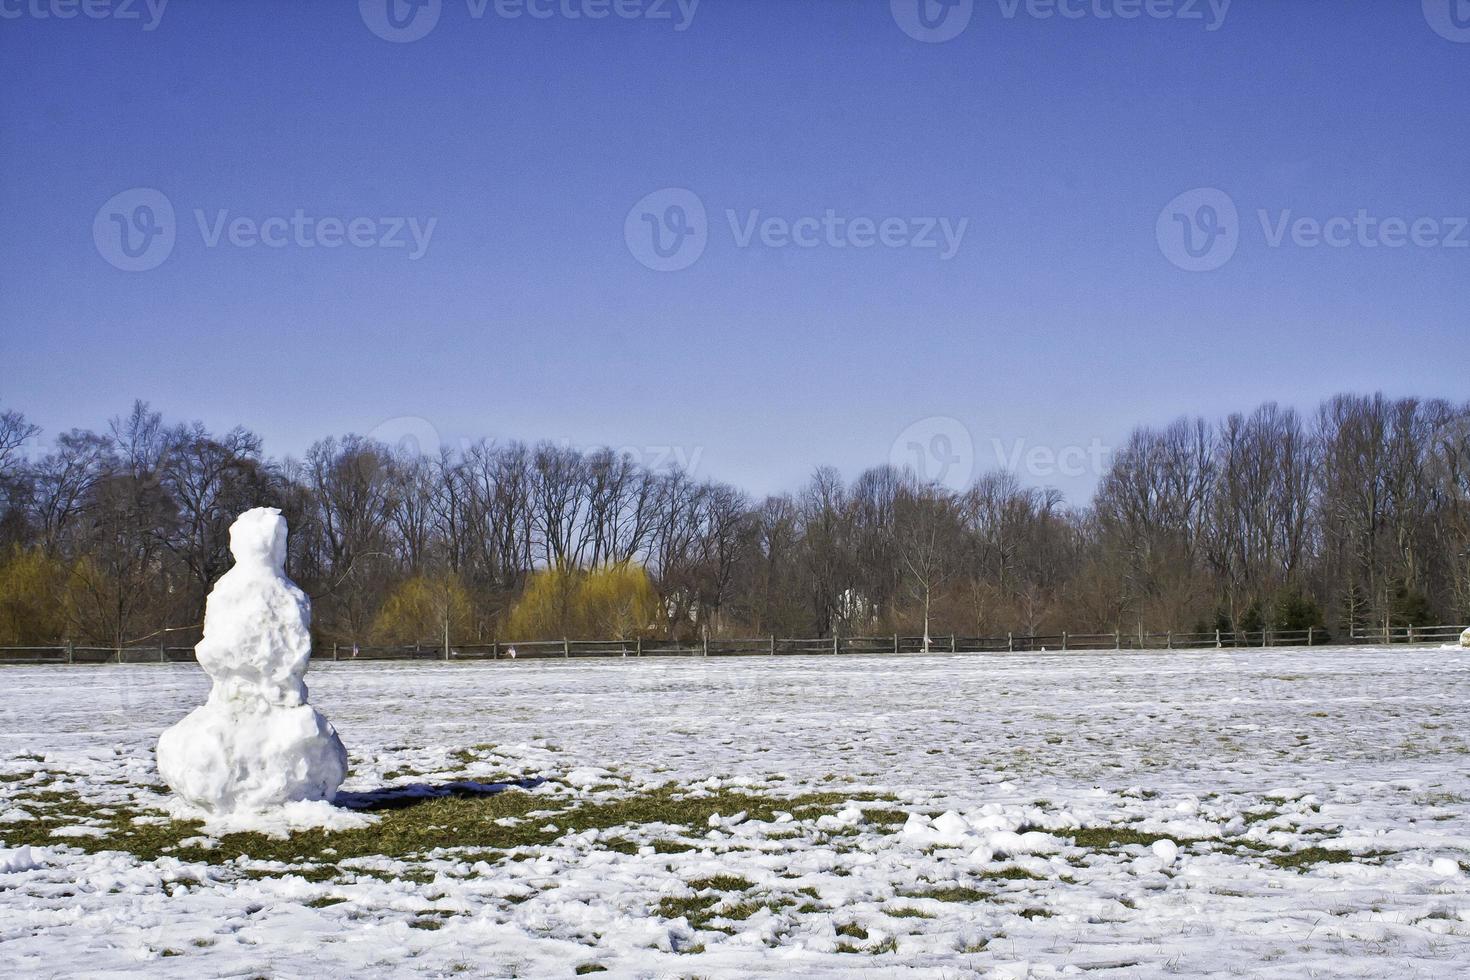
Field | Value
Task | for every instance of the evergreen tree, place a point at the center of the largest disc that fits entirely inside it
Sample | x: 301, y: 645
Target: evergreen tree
x: 1410, y: 608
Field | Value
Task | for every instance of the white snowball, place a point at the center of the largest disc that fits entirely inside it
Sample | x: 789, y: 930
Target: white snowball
x: 586, y: 777
x: 1165, y: 850
x: 917, y: 828
x: 227, y: 757
x: 17, y: 860
x: 991, y: 822
x: 1032, y: 842
x: 951, y: 826
x: 255, y: 744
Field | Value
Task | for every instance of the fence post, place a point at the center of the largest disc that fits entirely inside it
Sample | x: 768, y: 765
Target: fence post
x: 1310, y: 630
x: 1064, y: 641
x: 494, y: 649
x: 895, y: 642
x: 1410, y: 637
x: 952, y: 646
x: 1387, y: 637
x: 71, y: 651
x: 1010, y: 641
x: 1217, y: 639
x: 163, y: 657
x: 1169, y: 640
x: 566, y: 648
x: 1117, y: 640
x: 638, y: 647
x: 836, y: 644
x: 1140, y: 636
x: 773, y: 644
x: 706, y: 643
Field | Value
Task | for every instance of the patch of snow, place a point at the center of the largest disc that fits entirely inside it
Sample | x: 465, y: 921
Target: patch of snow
x: 20, y: 859
x: 1179, y: 745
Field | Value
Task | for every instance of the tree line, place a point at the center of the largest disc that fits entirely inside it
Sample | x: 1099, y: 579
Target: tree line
x: 1352, y: 517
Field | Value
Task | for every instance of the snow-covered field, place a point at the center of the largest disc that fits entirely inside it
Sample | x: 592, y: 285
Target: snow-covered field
x: 1291, y: 813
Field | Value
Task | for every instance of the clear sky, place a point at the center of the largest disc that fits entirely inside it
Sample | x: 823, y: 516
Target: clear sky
x: 1058, y: 313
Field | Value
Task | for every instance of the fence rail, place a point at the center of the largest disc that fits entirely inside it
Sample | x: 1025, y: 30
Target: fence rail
x: 769, y: 646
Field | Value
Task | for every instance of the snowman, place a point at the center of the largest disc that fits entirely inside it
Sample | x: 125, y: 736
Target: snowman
x: 255, y: 744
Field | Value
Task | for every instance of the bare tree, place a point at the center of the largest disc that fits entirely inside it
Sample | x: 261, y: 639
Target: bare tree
x: 926, y: 534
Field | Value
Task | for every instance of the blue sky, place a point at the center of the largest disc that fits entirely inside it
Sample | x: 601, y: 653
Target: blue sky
x: 1061, y: 319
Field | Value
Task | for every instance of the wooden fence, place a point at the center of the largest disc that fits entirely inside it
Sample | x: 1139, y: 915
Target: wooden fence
x: 769, y: 646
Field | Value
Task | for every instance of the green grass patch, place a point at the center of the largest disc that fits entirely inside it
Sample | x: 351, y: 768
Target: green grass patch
x: 693, y: 907
x: 467, y: 823
x: 1309, y: 856
x: 886, y: 818
x: 720, y: 883
x: 1010, y: 873
x: 950, y: 893
x: 1107, y: 838
x: 741, y: 911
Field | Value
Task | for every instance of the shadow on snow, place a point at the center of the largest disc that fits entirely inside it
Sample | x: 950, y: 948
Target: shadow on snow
x: 398, y: 797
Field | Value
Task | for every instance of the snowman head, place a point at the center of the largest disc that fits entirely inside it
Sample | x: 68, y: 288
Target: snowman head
x: 258, y: 539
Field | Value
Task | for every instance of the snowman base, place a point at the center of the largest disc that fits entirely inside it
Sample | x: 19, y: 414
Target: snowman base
x: 229, y: 757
